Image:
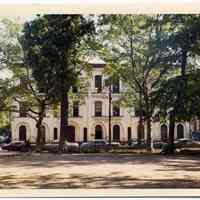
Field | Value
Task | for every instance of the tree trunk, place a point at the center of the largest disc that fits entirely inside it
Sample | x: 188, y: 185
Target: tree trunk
x: 171, y: 131
x: 40, y: 133
x: 63, y: 120
x: 140, y: 127
x: 148, y: 134
x: 148, y: 120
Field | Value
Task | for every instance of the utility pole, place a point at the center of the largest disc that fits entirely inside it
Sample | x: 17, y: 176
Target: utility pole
x: 109, y: 115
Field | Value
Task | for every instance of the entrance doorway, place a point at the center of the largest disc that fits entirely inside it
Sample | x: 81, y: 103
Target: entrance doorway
x: 180, y: 131
x: 116, y: 133
x: 164, y: 132
x: 98, y: 132
x: 22, y: 133
x: 71, y: 134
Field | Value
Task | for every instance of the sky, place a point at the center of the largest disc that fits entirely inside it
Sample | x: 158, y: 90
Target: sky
x: 26, y: 15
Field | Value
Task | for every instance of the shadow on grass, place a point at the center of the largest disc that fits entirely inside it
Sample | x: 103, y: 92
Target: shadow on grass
x: 54, y: 160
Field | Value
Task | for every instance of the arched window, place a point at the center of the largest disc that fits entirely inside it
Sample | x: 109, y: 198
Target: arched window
x: 85, y: 134
x: 116, y: 133
x: 98, y: 108
x: 140, y: 131
x: 22, y: 133
x: 71, y: 134
x: 129, y: 133
x: 163, y: 130
x: 55, y: 133
x: 180, y: 131
x: 98, y: 132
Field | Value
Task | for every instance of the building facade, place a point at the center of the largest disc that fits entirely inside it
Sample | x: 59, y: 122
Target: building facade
x: 90, y: 120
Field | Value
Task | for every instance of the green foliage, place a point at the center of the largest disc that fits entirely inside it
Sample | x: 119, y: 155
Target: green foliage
x: 182, y: 93
x: 179, y: 90
x: 133, y: 50
x: 52, y: 46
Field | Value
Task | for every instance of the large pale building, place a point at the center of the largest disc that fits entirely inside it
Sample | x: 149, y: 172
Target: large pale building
x: 90, y: 120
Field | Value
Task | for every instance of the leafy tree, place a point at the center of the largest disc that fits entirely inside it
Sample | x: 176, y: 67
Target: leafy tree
x: 9, y: 54
x: 17, y: 85
x: 53, y: 47
x: 32, y: 102
x: 132, y: 46
x: 183, y: 41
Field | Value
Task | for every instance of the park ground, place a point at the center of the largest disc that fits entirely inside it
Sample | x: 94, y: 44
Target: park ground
x: 98, y: 171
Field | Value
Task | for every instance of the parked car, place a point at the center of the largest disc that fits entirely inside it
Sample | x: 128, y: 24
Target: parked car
x: 186, y: 143
x: 196, y: 135
x: 94, y: 146
x: 132, y: 141
x: 179, y: 144
x: 166, y: 149
x: 139, y: 144
x: 115, y: 144
x: 52, y: 147
x: 71, y: 147
x: 157, y: 144
x: 5, y: 140
x: 17, y: 146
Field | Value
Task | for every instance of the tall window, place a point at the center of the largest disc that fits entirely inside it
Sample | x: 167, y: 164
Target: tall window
x: 22, y: 133
x: 115, y: 86
x: 129, y: 133
x: 75, y: 109
x: 85, y: 134
x: 98, y: 83
x: 140, y: 131
x: 98, y: 108
x: 116, y: 110
x: 116, y: 133
x: 180, y: 131
x: 22, y: 110
x: 164, y: 134
x: 55, y: 133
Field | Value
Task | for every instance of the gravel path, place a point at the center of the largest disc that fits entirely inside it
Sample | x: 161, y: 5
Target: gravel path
x: 99, y: 171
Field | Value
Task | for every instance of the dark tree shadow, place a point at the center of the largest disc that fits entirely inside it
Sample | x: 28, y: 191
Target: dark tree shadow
x: 114, y: 179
